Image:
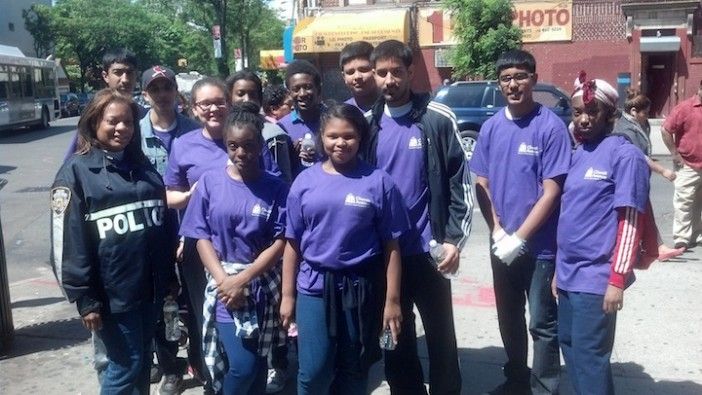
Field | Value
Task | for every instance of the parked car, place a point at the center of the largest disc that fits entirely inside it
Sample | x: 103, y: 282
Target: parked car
x: 474, y: 102
x: 70, y: 105
x: 83, y: 100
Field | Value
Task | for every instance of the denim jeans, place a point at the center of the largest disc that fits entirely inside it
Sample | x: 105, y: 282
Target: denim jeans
x: 247, y: 370
x: 424, y: 286
x: 586, y: 334
x: 528, y: 278
x: 127, y: 340
x: 328, y: 364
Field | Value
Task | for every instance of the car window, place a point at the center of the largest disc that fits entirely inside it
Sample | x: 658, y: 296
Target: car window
x: 464, y: 95
x: 499, y: 99
x: 546, y: 98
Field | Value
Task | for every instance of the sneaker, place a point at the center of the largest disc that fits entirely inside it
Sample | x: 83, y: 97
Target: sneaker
x: 155, y: 374
x: 276, y: 380
x: 171, y: 385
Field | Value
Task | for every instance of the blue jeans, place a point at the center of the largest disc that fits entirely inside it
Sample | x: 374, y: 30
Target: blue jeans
x: 528, y: 278
x: 423, y: 285
x: 127, y: 338
x: 247, y: 370
x: 327, y: 364
x: 586, y: 334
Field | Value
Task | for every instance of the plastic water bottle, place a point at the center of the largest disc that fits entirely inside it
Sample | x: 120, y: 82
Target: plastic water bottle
x: 308, y: 145
x: 386, y: 340
x: 170, y: 319
x: 438, y: 254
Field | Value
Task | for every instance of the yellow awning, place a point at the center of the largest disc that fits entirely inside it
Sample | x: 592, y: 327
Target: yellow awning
x: 331, y: 32
x: 271, y: 59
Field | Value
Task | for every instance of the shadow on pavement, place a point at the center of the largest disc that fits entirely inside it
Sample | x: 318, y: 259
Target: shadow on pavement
x: 22, y: 136
x: 36, y: 302
x: 47, y: 336
x: 5, y: 169
x: 631, y: 377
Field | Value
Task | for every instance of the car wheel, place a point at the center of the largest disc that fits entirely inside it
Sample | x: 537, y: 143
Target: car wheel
x: 468, y: 140
x: 44, y: 118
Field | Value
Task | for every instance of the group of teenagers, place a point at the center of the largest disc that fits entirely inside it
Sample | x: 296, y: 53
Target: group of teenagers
x: 261, y: 233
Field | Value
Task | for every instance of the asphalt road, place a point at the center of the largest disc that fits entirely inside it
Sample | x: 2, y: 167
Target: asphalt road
x: 29, y: 160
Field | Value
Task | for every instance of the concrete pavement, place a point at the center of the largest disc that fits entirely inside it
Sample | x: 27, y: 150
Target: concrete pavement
x: 657, y: 350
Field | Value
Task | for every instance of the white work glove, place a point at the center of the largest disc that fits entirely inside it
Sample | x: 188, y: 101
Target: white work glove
x: 498, y: 235
x: 508, y: 248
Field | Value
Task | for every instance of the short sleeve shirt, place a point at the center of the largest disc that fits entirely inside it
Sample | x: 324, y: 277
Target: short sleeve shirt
x: 685, y: 124
x: 241, y: 219
x: 604, y: 176
x: 341, y: 220
x: 516, y: 156
x: 400, y: 153
x: 193, y: 154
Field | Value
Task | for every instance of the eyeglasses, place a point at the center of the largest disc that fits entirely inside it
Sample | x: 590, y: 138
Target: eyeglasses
x: 205, y: 105
x: 519, y: 78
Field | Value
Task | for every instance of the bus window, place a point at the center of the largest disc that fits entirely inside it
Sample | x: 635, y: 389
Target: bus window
x: 4, y: 84
x: 27, y: 85
x: 15, y: 84
x: 38, y: 83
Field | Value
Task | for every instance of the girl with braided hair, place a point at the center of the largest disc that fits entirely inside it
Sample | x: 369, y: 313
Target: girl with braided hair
x: 237, y: 215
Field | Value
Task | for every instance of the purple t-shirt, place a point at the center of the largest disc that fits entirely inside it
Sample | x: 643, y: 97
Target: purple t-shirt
x: 604, y: 176
x: 341, y: 220
x: 400, y: 153
x: 166, y: 137
x: 352, y: 101
x: 296, y: 128
x: 516, y: 156
x: 192, y: 154
x: 240, y: 219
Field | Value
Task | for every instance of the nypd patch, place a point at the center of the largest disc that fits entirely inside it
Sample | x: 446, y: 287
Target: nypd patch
x: 60, y: 197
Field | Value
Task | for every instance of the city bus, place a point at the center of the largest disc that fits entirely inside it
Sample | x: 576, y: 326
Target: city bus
x: 28, y: 91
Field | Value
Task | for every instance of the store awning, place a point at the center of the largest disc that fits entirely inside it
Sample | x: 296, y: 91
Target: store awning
x: 660, y: 44
x: 332, y: 31
x: 272, y: 59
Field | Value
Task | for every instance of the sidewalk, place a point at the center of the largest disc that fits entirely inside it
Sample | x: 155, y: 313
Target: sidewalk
x: 658, y: 349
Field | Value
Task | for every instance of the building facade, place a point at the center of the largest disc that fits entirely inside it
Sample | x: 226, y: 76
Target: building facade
x: 654, y: 46
x: 12, y: 31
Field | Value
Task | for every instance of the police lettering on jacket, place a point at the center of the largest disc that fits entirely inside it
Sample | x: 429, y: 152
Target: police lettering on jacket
x: 130, y: 217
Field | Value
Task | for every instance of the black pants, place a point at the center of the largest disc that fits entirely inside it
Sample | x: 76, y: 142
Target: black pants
x: 424, y: 286
x: 166, y: 351
x: 528, y: 277
x: 194, y: 279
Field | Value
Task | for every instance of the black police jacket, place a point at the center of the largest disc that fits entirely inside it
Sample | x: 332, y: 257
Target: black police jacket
x: 111, y: 241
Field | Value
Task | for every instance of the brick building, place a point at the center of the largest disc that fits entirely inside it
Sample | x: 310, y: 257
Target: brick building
x: 651, y: 45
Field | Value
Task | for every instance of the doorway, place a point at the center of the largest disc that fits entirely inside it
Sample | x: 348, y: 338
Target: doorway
x: 658, y: 80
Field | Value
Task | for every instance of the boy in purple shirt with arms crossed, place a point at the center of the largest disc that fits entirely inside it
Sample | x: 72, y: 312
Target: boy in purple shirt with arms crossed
x: 521, y: 160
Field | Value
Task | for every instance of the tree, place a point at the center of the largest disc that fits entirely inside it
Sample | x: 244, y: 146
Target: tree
x: 484, y: 30
x: 37, y: 21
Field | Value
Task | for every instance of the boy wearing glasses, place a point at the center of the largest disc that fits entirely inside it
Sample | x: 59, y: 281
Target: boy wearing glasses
x: 521, y: 159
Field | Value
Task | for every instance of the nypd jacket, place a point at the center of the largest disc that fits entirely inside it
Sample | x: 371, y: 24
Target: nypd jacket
x: 111, y: 248
x: 450, y: 191
x: 153, y: 147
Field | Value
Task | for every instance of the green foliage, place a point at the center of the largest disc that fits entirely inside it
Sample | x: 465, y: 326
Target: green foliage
x: 484, y: 30
x: 158, y: 31
x: 37, y: 20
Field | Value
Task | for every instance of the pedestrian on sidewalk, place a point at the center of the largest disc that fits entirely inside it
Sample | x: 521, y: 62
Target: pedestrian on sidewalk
x: 237, y: 216
x: 108, y: 213
x: 599, y: 230
x: 416, y: 141
x: 159, y: 127
x: 682, y: 135
x: 633, y: 124
x: 341, y: 268
x: 521, y: 160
